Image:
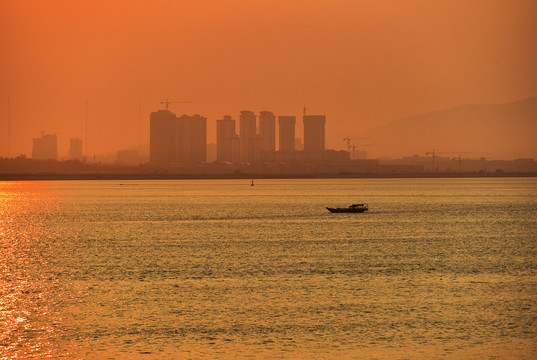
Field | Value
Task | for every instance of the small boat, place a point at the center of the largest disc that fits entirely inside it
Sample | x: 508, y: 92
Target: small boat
x: 355, y: 208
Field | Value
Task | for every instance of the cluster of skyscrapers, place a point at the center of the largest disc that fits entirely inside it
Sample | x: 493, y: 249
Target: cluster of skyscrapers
x: 184, y: 139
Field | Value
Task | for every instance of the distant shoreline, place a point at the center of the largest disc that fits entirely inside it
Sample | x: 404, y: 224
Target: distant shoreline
x: 51, y: 177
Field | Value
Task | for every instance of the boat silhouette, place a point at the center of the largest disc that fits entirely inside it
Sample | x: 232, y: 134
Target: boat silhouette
x: 355, y: 208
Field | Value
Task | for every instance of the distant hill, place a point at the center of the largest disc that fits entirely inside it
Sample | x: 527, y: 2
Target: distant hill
x: 507, y: 131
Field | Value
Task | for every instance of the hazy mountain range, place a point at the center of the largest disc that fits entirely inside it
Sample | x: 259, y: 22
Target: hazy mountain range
x: 507, y: 131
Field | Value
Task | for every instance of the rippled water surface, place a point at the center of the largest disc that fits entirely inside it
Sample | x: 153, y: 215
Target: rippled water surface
x: 220, y: 269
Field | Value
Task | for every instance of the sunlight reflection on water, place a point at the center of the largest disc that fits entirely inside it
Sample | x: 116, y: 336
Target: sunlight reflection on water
x: 28, y: 287
x: 219, y: 269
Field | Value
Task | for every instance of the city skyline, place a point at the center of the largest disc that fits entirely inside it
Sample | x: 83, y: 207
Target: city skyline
x: 520, y: 115
x: 179, y: 147
x: 362, y: 64
x: 183, y: 139
x: 268, y: 179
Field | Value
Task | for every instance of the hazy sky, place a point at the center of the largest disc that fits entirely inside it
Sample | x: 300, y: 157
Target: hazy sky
x: 362, y: 63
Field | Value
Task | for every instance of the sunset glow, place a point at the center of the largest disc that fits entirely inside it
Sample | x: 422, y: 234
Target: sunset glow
x: 361, y: 63
x: 268, y: 179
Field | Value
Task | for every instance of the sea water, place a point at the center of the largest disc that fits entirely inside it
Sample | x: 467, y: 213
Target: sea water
x: 209, y: 269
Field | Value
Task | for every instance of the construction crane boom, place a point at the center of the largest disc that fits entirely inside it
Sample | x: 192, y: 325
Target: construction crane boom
x: 348, y: 139
x: 353, y: 146
x: 168, y: 102
x: 434, y: 153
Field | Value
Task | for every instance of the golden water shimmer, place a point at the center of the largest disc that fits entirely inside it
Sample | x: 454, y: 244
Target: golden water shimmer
x: 216, y: 269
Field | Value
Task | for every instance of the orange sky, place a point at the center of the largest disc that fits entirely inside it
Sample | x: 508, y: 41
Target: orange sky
x: 362, y: 63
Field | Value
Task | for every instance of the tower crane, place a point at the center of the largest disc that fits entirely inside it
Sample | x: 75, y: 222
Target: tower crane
x: 354, y: 148
x: 168, y: 102
x: 348, y: 139
x: 434, y: 153
x: 460, y: 158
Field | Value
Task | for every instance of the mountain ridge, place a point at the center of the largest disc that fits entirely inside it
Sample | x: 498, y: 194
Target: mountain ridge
x: 500, y: 131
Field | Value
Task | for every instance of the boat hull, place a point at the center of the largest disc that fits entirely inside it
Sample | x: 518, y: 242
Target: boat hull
x: 340, y: 210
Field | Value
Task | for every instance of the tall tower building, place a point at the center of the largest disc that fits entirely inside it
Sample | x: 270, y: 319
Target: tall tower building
x: 174, y: 139
x: 248, y: 138
x: 286, y: 132
x: 267, y: 131
x: 45, y: 147
x: 227, y: 141
x: 191, y: 138
x: 199, y: 137
x: 314, y: 135
x: 75, y: 149
x: 163, y: 137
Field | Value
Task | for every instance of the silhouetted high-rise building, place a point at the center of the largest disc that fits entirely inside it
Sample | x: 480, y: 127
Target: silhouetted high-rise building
x: 75, y: 149
x: 163, y: 137
x: 199, y: 137
x: 314, y: 135
x: 249, y: 142
x: 227, y: 141
x: 45, y: 147
x: 286, y: 131
x: 174, y: 139
x: 191, y: 139
x: 267, y: 131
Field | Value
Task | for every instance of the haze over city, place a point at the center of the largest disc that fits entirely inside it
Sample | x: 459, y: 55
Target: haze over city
x: 362, y: 64
x: 268, y: 179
